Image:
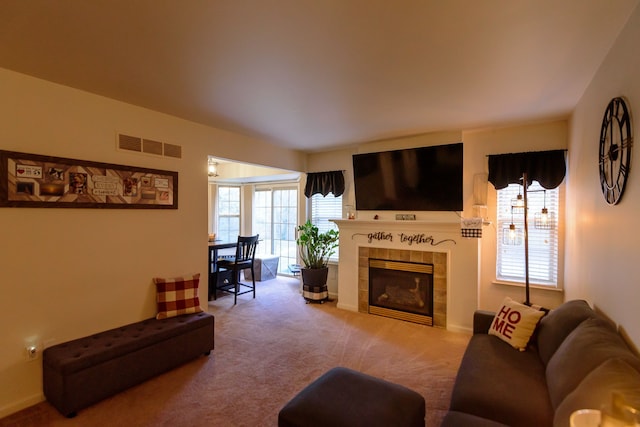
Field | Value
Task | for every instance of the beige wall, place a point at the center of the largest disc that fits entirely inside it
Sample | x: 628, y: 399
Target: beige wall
x: 602, y: 256
x: 66, y: 273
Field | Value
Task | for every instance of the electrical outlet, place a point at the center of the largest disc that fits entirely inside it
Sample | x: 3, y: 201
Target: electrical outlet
x: 32, y: 352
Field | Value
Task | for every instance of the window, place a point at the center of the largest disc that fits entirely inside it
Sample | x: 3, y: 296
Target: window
x: 262, y: 219
x: 274, y: 217
x: 228, y: 213
x: 543, y: 243
x: 322, y: 210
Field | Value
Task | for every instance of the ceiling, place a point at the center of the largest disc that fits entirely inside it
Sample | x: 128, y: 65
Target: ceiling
x: 318, y: 74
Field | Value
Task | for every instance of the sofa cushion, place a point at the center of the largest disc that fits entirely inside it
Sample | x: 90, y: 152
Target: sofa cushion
x: 514, y: 323
x: 482, y: 320
x: 517, y: 397
x: 559, y: 323
x: 589, y: 345
x: 596, y: 390
x: 177, y: 296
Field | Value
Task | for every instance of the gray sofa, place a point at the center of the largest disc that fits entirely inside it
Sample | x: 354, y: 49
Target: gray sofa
x: 575, y: 360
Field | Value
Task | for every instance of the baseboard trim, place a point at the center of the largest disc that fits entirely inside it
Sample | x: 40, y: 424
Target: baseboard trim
x: 458, y: 328
x: 21, y: 404
x: 347, y: 307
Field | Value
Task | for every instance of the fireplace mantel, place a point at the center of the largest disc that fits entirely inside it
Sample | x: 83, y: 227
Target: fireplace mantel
x: 443, y: 225
x: 416, y: 235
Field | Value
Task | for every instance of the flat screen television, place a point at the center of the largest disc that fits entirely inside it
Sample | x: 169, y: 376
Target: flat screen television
x: 415, y: 179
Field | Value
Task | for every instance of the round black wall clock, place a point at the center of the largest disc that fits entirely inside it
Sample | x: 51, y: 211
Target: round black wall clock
x: 615, y: 150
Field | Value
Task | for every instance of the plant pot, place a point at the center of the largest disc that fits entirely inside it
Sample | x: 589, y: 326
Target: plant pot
x: 314, y: 284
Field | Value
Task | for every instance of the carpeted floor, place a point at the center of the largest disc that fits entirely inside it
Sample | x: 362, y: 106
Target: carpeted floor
x: 268, y: 349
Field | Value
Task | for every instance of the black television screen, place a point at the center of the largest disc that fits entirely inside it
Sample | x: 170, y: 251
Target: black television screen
x: 416, y: 179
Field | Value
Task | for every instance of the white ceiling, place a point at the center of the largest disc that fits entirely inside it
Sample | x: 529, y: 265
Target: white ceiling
x: 315, y: 74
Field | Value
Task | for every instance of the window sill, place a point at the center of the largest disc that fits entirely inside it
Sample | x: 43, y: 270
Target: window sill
x: 531, y: 286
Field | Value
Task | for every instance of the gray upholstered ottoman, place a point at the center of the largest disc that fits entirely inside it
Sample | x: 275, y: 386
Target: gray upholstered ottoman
x: 342, y: 397
x: 265, y: 267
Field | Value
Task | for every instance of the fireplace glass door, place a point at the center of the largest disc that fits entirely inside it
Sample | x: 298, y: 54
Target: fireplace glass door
x: 401, y: 289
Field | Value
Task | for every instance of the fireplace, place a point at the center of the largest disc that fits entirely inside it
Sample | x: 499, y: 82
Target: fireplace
x: 401, y: 289
x: 455, y: 263
x: 437, y: 292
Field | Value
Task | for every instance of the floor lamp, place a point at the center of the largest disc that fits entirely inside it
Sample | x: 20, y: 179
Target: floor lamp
x: 526, y: 241
x: 543, y: 220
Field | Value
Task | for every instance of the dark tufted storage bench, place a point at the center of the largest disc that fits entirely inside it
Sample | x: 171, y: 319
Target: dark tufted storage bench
x: 84, y: 371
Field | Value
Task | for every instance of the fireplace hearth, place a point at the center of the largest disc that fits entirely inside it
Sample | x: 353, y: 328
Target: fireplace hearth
x: 401, y: 289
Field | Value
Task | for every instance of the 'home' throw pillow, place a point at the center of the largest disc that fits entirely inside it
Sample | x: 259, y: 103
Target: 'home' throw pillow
x: 514, y: 323
x: 176, y: 296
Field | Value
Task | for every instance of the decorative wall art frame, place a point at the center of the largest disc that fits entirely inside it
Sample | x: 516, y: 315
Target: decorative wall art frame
x: 37, y: 181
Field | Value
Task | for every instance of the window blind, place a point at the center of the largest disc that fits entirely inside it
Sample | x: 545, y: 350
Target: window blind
x: 543, y: 243
x: 324, y: 208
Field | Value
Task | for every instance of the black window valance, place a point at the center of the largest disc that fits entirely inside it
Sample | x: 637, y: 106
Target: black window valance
x: 324, y: 183
x: 546, y: 167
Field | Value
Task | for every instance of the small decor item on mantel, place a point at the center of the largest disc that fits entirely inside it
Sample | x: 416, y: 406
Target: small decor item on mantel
x: 351, y: 213
x: 315, y: 249
x: 471, y: 227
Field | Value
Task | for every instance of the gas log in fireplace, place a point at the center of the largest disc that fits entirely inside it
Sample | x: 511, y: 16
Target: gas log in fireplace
x: 402, y: 290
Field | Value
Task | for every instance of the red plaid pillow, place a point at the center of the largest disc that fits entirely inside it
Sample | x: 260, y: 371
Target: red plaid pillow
x: 177, y: 296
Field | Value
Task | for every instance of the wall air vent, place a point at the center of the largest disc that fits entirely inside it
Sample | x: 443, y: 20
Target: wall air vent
x: 171, y: 150
x: 148, y: 146
x: 130, y: 143
x: 152, y: 147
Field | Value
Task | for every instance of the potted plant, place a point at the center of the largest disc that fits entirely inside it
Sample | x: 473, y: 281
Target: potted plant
x: 315, y: 249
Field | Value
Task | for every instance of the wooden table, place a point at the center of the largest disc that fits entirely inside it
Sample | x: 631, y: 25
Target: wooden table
x: 214, y: 277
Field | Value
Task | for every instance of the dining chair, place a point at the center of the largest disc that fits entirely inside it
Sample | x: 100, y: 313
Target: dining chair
x: 243, y: 259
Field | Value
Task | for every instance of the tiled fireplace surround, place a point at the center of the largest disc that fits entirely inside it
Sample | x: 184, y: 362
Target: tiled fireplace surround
x: 438, y: 259
x: 455, y: 260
